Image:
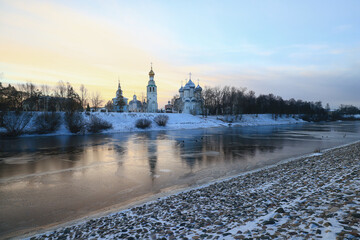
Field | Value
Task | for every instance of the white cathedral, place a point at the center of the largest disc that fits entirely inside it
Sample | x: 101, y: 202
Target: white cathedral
x: 190, y: 100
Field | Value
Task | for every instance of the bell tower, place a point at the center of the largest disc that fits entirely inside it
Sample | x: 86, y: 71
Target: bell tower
x: 151, y: 96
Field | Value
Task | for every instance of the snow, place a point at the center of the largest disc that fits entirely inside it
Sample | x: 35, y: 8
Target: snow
x: 125, y: 122
x: 355, y: 116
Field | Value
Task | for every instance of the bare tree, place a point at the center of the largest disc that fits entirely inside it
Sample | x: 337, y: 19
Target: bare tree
x: 28, y: 88
x: 109, y: 106
x: 217, y: 99
x: 60, y: 90
x: 96, y: 100
x: 83, y: 95
x: 209, y: 101
x: 45, y: 89
x: 177, y: 103
x: 327, y: 108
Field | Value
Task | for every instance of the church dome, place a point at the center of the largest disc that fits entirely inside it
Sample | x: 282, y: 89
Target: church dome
x: 151, y: 73
x: 198, y: 88
x: 190, y: 84
x: 181, y: 89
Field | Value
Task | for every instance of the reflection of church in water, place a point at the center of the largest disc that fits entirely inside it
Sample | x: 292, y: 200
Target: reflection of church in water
x: 135, y: 105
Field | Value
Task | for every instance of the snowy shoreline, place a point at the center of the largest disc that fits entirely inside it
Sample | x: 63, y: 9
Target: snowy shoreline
x: 265, y: 205
x: 125, y: 122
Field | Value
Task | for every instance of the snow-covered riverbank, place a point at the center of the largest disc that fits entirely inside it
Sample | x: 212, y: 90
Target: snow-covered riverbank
x: 309, y: 197
x: 125, y: 122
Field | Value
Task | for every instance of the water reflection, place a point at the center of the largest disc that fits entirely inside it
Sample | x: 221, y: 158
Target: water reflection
x: 54, y: 179
x: 228, y: 145
x: 195, y: 148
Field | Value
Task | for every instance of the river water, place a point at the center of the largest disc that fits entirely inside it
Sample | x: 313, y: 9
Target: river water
x: 45, y: 181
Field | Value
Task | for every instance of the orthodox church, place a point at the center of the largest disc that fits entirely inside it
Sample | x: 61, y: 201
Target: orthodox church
x: 190, y: 100
x: 117, y: 106
x: 135, y: 105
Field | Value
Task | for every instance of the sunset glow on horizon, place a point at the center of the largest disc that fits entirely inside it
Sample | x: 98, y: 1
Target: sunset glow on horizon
x: 303, y: 50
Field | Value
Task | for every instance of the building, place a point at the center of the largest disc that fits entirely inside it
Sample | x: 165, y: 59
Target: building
x: 150, y: 105
x: 169, y: 107
x: 151, y: 93
x: 135, y: 105
x: 117, y: 101
x: 190, y: 100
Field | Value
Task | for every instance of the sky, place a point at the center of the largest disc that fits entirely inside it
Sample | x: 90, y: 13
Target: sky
x: 307, y: 50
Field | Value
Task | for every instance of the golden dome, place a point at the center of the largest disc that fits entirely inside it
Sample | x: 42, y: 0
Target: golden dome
x: 151, y: 73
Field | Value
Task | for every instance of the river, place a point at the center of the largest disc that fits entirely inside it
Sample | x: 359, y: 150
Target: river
x: 45, y: 181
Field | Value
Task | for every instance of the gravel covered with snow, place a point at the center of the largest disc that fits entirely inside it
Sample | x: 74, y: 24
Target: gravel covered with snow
x: 316, y: 197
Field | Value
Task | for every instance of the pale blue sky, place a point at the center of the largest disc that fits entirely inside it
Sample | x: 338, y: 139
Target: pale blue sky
x: 302, y: 49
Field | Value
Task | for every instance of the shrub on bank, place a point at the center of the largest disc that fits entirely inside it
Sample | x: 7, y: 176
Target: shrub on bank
x: 15, y: 122
x: 143, y: 123
x: 74, y: 122
x: 47, y: 122
x: 97, y: 125
x: 161, y: 120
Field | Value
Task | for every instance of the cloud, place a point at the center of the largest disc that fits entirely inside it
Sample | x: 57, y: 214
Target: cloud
x: 309, y: 82
x: 46, y: 42
x: 93, y: 44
